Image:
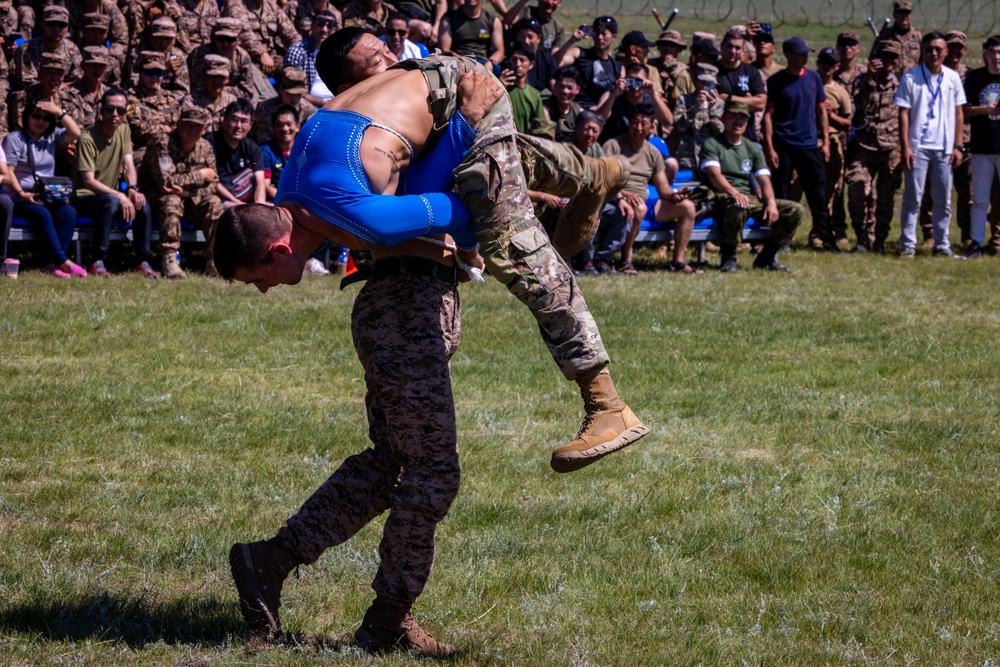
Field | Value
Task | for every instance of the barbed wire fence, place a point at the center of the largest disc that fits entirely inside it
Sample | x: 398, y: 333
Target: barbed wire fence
x: 975, y: 17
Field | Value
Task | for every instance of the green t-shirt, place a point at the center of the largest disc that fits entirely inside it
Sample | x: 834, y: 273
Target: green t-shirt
x: 646, y: 162
x: 527, y: 105
x: 737, y: 162
x: 105, y: 158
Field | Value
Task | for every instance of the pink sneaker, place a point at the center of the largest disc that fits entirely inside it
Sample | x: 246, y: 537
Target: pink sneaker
x: 77, y: 271
x: 56, y: 272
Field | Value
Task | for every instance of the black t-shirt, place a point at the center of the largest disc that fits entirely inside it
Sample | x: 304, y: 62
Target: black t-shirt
x: 983, y: 88
x: 234, y: 162
x: 617, y: 122
x: 742, y: 81
x: 596, y: 76
x: 543, y: 71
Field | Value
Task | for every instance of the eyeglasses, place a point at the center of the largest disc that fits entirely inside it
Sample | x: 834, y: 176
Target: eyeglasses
x: 48, y: 118
x: 933, y: 49
x: 889, y: 56
x: 225, y: 40
x: 398, y: 32
x: 239, y: 120
x: 111, y: 108
x: 326, y: 23
x: 154, y: 72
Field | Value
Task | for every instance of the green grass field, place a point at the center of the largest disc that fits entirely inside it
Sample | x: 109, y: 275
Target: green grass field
x: 819, y: 486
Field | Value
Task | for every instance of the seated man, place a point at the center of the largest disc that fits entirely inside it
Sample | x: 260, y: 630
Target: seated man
x: 240, y: 162
x: 729, y: 163
x: 375, y: 126
x: 648, y: 166
x: 104, y: 154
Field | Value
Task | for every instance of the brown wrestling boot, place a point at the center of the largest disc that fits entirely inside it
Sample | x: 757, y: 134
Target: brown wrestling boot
x: 608, y: 426
x: 259, y: 570
x: 169, y: 266
x: 578, y: 221
x: 389, y: 627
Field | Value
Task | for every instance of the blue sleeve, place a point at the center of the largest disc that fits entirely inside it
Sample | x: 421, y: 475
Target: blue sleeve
x: 432, y: 172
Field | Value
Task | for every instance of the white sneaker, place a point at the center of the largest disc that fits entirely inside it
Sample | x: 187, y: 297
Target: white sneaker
x: 315, y: 267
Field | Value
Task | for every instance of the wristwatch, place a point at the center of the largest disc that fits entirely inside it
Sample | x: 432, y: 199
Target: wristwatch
x: 60, y: 116
x: 134, y: 187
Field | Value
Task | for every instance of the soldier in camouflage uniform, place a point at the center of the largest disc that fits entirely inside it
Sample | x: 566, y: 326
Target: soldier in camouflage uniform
x: 51, y: 71
x: 52, y: 40
x: 697, y: 116
x: 874, y: 173
x: 162, y: 37
x: 850, y: 70
x: 152, y: 111
x: 197, y: 17
x: 267, y: 31
x: 839, y: 111
x: 117, y: 26
x: 212, y: 94
x: 94, y: 35
x: 225, y: 36
x: 903, y: 33
x: 83, y: 98
x: 292, y: 92
x: 670, y: 44
x: 181, y: 166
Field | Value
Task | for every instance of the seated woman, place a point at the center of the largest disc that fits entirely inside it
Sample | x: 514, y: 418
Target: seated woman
x: 31, y: 154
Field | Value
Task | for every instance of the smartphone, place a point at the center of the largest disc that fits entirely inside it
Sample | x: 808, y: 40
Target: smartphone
x: 632, y: 83
x: 588, y: 31
x: 709, y: 87
x: 765, y: 28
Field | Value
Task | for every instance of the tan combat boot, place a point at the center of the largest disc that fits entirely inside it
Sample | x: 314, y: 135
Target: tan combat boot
x: 608, y: 426
x: 169, y: 266
x: 259, y: 570
x: 579, y: 220
x: 389, y: 627
x: 210, y: 269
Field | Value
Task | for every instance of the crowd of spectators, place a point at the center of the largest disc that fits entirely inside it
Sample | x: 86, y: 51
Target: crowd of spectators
x: 162, y: 111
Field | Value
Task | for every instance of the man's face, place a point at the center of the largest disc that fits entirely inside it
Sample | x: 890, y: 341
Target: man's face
x: 236, y: 125
x: 826, y: 68
x: 283, y: 269
x: 734, y: 123
x: 566, y: 90
x: 225, y: 45
x: 151, y: 79
x: 395, y: 33
x: 732, y: 52
x: 291, y: 99
x: 902, y: 19
x: 603, y: 38
x: 639, y: 126
x: 51, y: 78
x: 369, y: 57
x: 214, y: 84
x: 635, y: 95
x: 638, y: 54
x: 286, y: 126
x: 322, y: 28
x: 189, y: 132
x: 848, y: 49
x: 161, y: 43
x: 934, y: 52
x: 765, y: 49
x: 94, y: 36
x: 521, y: 65
x: 94, y: 72
x: 586, y: 134
x: 795, y: 60
x: 956, y: 51
x: 668, y: 50
x: 113, y: 112
x: 529, y: 37
x: 991, y: 57
x: 889, y: 62
x: 546, y: 8
x: 54, y: 31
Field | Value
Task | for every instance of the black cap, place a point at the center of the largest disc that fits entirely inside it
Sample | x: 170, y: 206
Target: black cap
x: 705, y: 47
x: 605, y: 23
x: 636, y: 38
x: 828, y: 56
x: 763, y: 38
x: 527, y: 23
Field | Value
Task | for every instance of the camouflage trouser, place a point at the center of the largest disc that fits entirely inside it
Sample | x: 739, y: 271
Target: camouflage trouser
x: 558, y: 169
x: 405, y: 329
x: 732, y: 219
x: 835, y: 191
x: 517, y: 251
x: 203, y: 208
x: 871, y: 207
x: 962, y: 178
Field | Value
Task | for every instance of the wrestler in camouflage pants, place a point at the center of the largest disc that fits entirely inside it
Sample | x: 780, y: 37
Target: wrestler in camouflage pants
x: 405, y: 329
x: 493, y: 186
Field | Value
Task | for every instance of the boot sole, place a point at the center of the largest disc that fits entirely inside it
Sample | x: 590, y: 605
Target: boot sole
x: 370, y: 643
x: 262, y: 622
x: 572, y: 461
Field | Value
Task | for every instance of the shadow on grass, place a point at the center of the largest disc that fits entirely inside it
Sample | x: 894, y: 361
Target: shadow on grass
x: 134, y: 620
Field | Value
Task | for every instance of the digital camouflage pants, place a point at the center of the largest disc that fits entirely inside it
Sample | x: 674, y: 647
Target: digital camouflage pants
x: 405, y: 329
x: 203, y: 208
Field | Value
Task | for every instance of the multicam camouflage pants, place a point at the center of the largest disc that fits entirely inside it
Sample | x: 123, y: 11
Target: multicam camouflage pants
x: 873, y: 177
x: 733, y: 219
x: 405, y: 329
x: 492, y: 185
x: 203, y: 208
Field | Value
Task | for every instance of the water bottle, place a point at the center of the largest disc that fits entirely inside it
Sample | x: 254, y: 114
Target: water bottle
x: 342, y: 262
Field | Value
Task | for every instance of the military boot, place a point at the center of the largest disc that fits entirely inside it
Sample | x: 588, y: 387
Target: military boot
x: 608, y: 426
x: 259, y: 570
x: 169, y: 266
x: 579, y: 219
x: 388, y: 627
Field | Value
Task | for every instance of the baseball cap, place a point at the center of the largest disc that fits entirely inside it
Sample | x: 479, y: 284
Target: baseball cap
x: 191, y: 113
x: 733, y: 106
x: 527, y: 23
x: 55, y: 14
x: 605, y: 23
x: 902, y: 6
x: 795, y: 45
x: 705, y: 47
x: 636, y: 38
x: 226, y: 27
x: 51, y: 60
x: 151, y: 60
x: 828, y: 56
x: 216, y: 65
x: 96, y: 20
x: 293, y: 81
x: 956, y: 37
x: 763, y: 38
x: 96, y: 54
x: 889, y: 46
x: 848, y: 36
x: 163, y: 26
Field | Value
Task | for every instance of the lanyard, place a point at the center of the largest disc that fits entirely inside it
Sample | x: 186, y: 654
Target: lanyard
x: 934, y: 93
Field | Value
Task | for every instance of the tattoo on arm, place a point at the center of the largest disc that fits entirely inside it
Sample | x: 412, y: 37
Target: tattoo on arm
x: 392, y: 156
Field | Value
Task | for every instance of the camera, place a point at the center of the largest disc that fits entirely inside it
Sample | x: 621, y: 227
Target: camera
x: 632, y: 83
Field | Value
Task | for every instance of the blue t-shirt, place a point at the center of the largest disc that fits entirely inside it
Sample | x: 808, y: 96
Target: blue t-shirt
x: 793, y: 102
x: 274, y: 161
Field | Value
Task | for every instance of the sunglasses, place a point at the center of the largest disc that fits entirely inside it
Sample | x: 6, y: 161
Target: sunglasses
x: 226, y: 40
x: 398, y: 32
x: 59, y: 25
x: 326, y: 23
x: 110, y: 108
x: 154, y: 72
x: 48, y: 118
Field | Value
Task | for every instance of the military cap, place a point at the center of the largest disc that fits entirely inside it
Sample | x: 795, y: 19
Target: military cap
x: 96, y: 20
x: 216, y: 65
x: 52, y: 60
x: 902, y: 6
x: 705, y: 47
x: 671, y: 37
x: 55, y: 14
x: 956, y: 37
x: 226, y: 27
x: 163, y: 26
x: 191, y: 113
x: 848, y: 36
x: 737, y: 107
x: 708, y: 78
x: 707, y: 68
x: 152, y: 60
x: 293, y: 81
x: 96, y: 54
x: 890, y: 46
x: 697, y: 34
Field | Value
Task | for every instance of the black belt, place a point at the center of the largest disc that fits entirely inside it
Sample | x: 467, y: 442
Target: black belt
x: 404, y: 265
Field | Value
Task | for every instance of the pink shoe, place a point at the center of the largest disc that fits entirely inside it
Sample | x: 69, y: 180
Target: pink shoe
x: 56, y: 272
x: 77, y: 271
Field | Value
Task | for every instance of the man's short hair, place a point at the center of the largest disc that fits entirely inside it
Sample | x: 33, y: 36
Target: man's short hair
x: 588, y: 116
x: 331, y: 62
x: 731, y: 34
x: 397, y: 16
x: 523, y: 48
x: 636, y: 68
x: 243, y: 235
x: 567, y: 72
x: 932, y: 36
x: 241, y: 105
x: 991, y: 42
x: 642, y: 109
x: 114, y: 91
x: 282, y: 110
